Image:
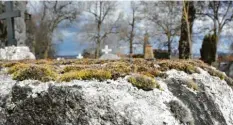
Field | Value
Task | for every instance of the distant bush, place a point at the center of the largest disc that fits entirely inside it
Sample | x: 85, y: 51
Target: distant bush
x: 138, y: 56
x: 161, y: 54
x: 143, y: 82
x: 208, y: 49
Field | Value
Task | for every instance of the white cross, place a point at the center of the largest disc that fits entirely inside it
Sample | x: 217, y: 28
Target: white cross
x: 79, y: 56
x: 106, y: 50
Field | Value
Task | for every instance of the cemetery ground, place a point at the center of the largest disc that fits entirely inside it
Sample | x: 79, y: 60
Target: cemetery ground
x: 139, y: 72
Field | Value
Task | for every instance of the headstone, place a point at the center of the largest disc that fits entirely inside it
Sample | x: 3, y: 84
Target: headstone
x: 107, y: 55
x: 149, y: 55
x: 9, y: 15
x: 231, y: 70
x: 79, y: 56
x: 146, y: 41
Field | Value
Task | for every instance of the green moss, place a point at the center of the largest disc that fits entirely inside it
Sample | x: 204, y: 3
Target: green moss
x: 178, y: 65
x: 10, y: 64
x: 16, y: 68
x: 72, y: 68
x: 42, y: 73
x: 216, y: 73
x: 118, y: 67
x: 86, y: 75
x: 143, y: 82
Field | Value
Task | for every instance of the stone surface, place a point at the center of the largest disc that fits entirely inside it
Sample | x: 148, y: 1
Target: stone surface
x: 16, y: 53
x: 117, y: 102
x: 109, y: 57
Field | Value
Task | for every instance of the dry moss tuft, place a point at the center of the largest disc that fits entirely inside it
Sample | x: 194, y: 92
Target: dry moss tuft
x: 191, y: 84
x: 178, y: 65
x: 143, y: 82
x: 216, y: 73
x: 86, y: 75
x: 72, y: 68
x: 34, y: 72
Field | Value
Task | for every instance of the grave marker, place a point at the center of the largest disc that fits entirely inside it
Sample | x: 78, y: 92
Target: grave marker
x: 79, y: 56
x: 106, y: 50
x: 9, y: 16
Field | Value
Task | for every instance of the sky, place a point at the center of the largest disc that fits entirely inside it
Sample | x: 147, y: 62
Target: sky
x: 71, y: 45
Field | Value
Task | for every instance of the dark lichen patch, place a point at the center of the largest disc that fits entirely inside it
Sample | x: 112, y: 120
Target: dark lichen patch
x: 86, y: 75
x: 42, y: 73
x: 181, y: 112
x: 143, y: 82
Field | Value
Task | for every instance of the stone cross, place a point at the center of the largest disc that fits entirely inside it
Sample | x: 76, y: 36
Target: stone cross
x: 9, y: 16
x: 106, y: 50
x: 79, y: 56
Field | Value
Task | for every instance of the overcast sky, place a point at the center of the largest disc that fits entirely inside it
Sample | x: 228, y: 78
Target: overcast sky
x: 72, y: 46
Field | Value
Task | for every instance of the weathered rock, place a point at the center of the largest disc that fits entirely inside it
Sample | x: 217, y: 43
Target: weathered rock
x: 117, y: 102
x: 16, y: 53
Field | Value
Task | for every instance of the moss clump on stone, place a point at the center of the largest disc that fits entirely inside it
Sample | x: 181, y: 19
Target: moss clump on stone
x: 86, y: 75
x: 143, y: 82
x: 42, y: 73
x: 216, y: 73
x: 17, y: 67
x: 178, y: 65
x: 72, y: 68
x: 10, y: 64
x: 191, y: 84
x: 119, y: 67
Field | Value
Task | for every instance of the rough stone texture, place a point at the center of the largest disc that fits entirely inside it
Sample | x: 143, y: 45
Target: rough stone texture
x: 109, y: 57
x: 16, y: 53
x: 117, y: 102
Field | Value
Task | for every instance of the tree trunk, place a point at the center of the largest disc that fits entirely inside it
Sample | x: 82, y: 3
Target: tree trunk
x: 98, y: 40
x: 185, y: 42
x: 169, y: 45
x: 131, y: 39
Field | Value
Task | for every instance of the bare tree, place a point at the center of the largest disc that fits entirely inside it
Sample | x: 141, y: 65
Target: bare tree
x: 166, y: 16
x: 47, y: 19
x: 220, y: 12
x: 102, y: 26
